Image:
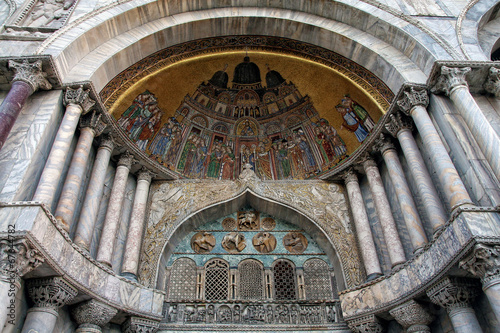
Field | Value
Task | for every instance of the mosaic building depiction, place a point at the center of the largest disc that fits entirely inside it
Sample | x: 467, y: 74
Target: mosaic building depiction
x: 249, y: 166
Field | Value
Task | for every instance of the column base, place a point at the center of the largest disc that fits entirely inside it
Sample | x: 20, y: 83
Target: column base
x: 373, y: 276
x: 130, y: 276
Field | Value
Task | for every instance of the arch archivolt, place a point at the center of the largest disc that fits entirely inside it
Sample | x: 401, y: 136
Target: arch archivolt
x: 177, y: 207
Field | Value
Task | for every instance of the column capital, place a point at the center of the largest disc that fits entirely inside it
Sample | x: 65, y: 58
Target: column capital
x: 350, y: 176
x: 398, y: 122
x: 412, y: 316
x: 30, y: 73
x: 137, y: 324
x: 450, y: 79
x: 126, y: 160
x: 382, y: 144
x: 453, y: 292
x: 94, y: 122
x: 107, y: 142
x: 52, y: 292
x: 367, y: 161
x: 411, y: 98
x: 145, y: 174
x: 80, y: 97
x: 18, y: 257
x: 93, y: 312
x: 492, y: 83
x: 366, y: 324
x: 483, y: 262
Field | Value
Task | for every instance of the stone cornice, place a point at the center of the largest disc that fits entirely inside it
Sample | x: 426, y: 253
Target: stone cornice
x: 48, y: 66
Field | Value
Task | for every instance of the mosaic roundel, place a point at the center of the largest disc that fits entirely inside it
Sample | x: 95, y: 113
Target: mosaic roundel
x: 264, y: 242
x: 229, y: 224
x: 268, y: 224
x: 202, y: 242
x: 295, y: 242
x: 234, y: 242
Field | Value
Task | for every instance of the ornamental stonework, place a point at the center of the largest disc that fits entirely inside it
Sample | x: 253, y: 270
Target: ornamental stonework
x: 295, y: 242
x: 234, y: 242
x: 202, y: 242
x: 17, y: 258
x: 51, y: 292
x: 264, y: 242
x: 484, y: 263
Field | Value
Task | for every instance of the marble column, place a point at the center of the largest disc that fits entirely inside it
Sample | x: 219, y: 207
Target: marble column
x: 77, y: 101
x: 404, y: 196
x: 92, y: 315
x: 17, y: 258
x: 414, y: 103
x: 454, y: 294
x: 363, y: 230
x: 384, y: 213
x: 93, y: 196
x: 48, y: 295
x: 413, y: 317
x: 112, y: 220
x: 484, y: 263
x: 90, y: 127
x: 400, y: 127
x: 366, y: 324
x: 452, y: 82
x: 138, y: 324
x: 28, y: 78
x: 135, y: 231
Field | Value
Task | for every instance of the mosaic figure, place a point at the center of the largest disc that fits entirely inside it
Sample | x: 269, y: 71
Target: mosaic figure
x: 360, y: 111
x: 263, y: 162
x: 228, y: 163
x: 352, y: 122
x: 214, y: 166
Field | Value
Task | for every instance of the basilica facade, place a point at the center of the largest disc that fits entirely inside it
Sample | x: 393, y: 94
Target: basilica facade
x: 244, y: 166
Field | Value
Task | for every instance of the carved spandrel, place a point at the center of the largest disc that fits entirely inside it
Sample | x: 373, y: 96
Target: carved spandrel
x: 46, y: 14
x: 31, y: 73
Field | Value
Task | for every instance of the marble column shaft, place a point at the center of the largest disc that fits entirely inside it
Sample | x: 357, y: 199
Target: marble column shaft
x: 464, y: 320
x: 384, y: 213
x: 404, y: 196
x: 134, y: 236
x: 93, y: 196
x: 112, y: 220
x: 363, y: 230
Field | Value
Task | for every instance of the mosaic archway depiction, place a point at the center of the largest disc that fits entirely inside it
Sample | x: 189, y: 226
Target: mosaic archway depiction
x: 323, y: 203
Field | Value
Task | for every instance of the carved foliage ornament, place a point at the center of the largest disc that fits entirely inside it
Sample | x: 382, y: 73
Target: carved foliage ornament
x: 413, y: 97
x: 367, y: 324
x: 50, y: 292
x: 140, y: 325
x: 398, y: 122
x: 484, y: 263
x: 492, y: 84
x: 93, y: 312
x: 382, y: 144
x: 453, y: 292
x: 31, y: 73
x: 94, y: 122
x: 451, y: 78
x: 79, y: 97
x: 18, y: 258
x: 412, y: 313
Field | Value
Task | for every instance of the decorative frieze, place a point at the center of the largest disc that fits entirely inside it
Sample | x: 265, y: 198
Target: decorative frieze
x: 140, y: 325
x: 413, y: 97
x: 492, y: 84
x: 18, y: 257
x: 79, y: 96
x: 92, y: 314
x: 52, y: 292
x: 366, y: 324
x: 484, y: 263
x: 413, y: 317
x: 450, y: 79
x: 30, y: 73
x: 453, y: 292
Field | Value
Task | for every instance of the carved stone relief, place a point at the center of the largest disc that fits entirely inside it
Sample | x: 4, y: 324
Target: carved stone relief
x: 268, y: 224
x: 248, y: 221
x: 264, y: 242
x: 295, y: 242
x: 203, y: 242
x: 234, y: 242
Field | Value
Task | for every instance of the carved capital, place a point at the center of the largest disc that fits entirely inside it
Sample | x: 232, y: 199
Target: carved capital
x: 51, y: 292
x: 366, y: 324
x: 450, y: 79
x: 397, y: 123
x: 140, y: 325
x: 93, y: 313
x: 350, y: 176
x: 452, y: 292
x: 17, y: 258
x: 492, y: 84
x: 94, y: 122
x: 413, y: 97
x: 382, y: 144
x: 126, y: 160
x: 31, y: 73
x: 145, y: 174
x: 107, y: 142
x: 368, y: 161
x: 79, y: 97
x: 484, y: 263
x: 412, y: 316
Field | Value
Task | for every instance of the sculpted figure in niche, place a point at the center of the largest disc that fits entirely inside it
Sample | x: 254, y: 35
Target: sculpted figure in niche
x: 295, y: 242
x: 264, y: 242
x: 248, y: 221
x: 234, y: 242
x: 202, y: 242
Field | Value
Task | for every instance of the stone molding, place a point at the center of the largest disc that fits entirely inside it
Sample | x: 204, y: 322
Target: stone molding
x: 366, y: 324
x: 93, y: 312
x: 30, y: 73
x: 126, y: 160
x: 412, y: 316
x: 450, y: 79
x: 17, y: 258
x: 52, y: 292
x: 484, y: 263
x: 79, y: 97
x: 398, y: 122
x: 492, y: 83
x: 94, y: 122
x: 140, y: 325
x: 411, y: 98
x: 383, y: 144
x: 453, y: 292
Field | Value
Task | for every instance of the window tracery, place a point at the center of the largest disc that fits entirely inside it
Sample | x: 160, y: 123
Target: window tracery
x: 216, y: 280
x: 317, y: 279
x: 251, y: 280
x: 284, y: 281
x: 182, y: 280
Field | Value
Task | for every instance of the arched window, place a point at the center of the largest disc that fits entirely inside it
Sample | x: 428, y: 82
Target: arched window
x: 317, y: 280
x: 216, y: 280
x: 251, y: 279
x: 182, y: 283
x: 284, y: 281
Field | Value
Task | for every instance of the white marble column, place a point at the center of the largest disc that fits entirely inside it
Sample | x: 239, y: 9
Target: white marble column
x: 112, y: 220
x: 454, y: 294
x: 363, y: 230
x: 92, y: 315
x: 404, y: 196
x: 384, y: 213
x: 413, y: 317
x: 414, y: 103
x: 453, y: 83
x: 133, y: 243
x: 90, y: 126
x: 399, y: 126
x: 93, y: 196
x: 77, y: 102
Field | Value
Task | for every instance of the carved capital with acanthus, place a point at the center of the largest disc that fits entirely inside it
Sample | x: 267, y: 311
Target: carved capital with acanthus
x: 94, y: 122
x: 397, y: 123
x: 107, y: 142
x: 80, y: 97
x: 140, y: 325
x: 382, y: 144
x: 92, y: 313
x: 17, y: 258
x: 126, y: 160
x: 366, y: 324
x: 450, y: 79
x: 412, y: 316
x: 350, y: 176
x: 453, y: 292
x: 30, y: 73
x: 484, y: 263
x: 492, y: 84
x: 367, y: 161
x: 411, y: 98
x: 145, y: 174
x: 52, y: 292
